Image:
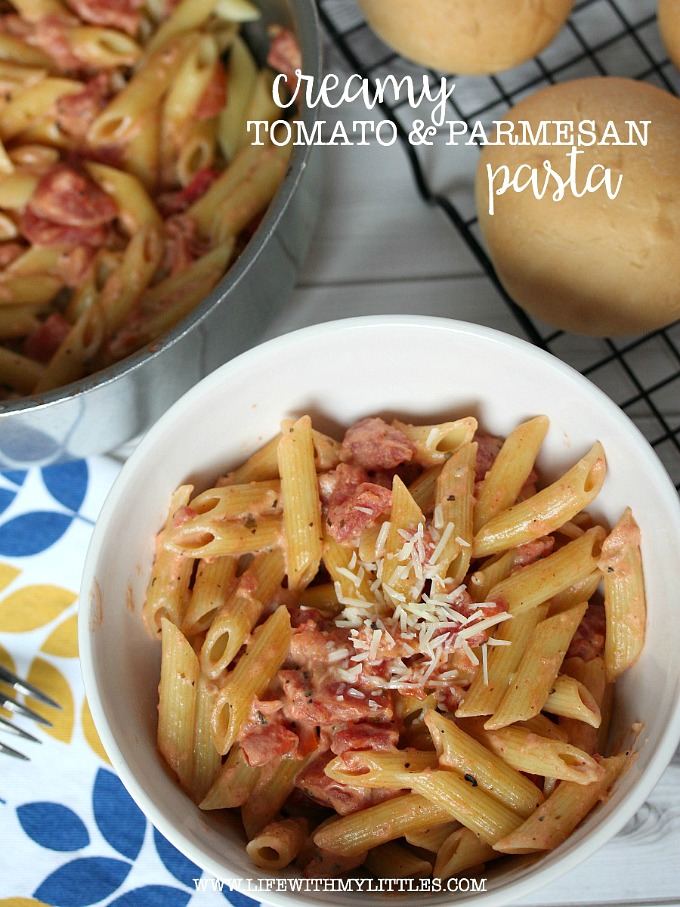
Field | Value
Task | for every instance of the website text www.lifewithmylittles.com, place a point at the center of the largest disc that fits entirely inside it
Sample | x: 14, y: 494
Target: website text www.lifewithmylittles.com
x: 348, y: 885
x: 542, y: 179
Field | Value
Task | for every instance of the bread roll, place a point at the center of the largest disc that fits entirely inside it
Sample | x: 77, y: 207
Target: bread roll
x: 669, y: 26
x: 470, y: 37
x: 593, y: 265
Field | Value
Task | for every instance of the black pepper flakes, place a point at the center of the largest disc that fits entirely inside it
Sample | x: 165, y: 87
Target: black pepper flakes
x: 470, y: 779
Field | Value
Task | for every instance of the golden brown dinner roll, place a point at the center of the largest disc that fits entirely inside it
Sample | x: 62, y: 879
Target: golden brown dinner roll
x: 591, y: 264
x: 669, y: 26
x: 471, y: 37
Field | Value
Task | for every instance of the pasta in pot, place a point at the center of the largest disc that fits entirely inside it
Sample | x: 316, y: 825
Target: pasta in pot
x: 368, y: 672
x: 128, y: 184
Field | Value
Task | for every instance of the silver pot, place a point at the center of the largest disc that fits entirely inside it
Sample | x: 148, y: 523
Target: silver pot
x: 100, y: 413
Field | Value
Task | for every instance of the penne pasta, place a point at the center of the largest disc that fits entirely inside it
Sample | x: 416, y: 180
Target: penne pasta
x: 624, y: 596
x: 537, y: 671
x: 375, y: 825
x: 233, y: 783
x: 177, y: 702
x: 552, y: 575
x: 527, y: 751
x: 572, y: 699
x: 250, y: 677
x: 302, y: 509
x: 395, y: 861
x: 554, y: 820
x: 510, y: 470
x: 461, y: 850
x: 547, y: 510
x: 168, y: 588
x: 277, y: 845
x: 468, y: 758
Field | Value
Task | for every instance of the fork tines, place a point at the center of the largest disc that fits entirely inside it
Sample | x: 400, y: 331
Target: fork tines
x: 19, y: 709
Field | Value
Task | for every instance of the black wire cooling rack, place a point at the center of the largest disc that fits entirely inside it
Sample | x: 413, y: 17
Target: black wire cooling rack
x: 602, y: 37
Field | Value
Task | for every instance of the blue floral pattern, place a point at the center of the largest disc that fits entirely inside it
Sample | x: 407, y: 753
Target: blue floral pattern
x: 77, y: 837
x: 33, y: 531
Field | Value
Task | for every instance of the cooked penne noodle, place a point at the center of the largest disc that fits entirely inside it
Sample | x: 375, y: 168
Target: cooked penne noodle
x: 253, y: 194
x: 236, y: 618
x: 82, y: 343
x: 132, y: 275
x: 177, y: 701
x: 263, y: 657
x: 189, y: 83
x: 19, y: 371
x: 301, y: 506
x: 375, y: 825
x: 454, y: 504
x: 490, y: 573
x: 16, y: 188
x: 624, y: 596
x: 168, y: 301
x: 187, y: 16
x: 13, y: 48
x: 237, y: 10
x: 394, y: 861
x: 470, y: 759
x: 485, y: 693
x: 234, y: 537
x: 259, y: 467
x: 552, y: 575
x: 206, y: 761
x: 232, y: 131
x: 103, y: 47
x: 528, y: 752
x: 135, y: 208
x: 240, y: 167
x: 233, y: 783
x: 435, y: 443
x: 544, y: 727
x: 38, y: 289
x: 423, y: 489
x: 213, y: 583
x: 554, y: 820
x: 537, y: 671
x: 432, y: 838
x: 510, y: 470
x: 580, y: 591
x: 572, y: 699
x: 122, y: 115
x: 368, y: 768
x: 235, y: 502
x: 405, y: 518
x: 270, y: 792
x: 593, y: 676
x: 277, y: 845
x: 34, y: 104
x: 461, y: 850
x: 196, y: 154
x: 167, y: 592
x: 547, y: 510
x: 477, y: 810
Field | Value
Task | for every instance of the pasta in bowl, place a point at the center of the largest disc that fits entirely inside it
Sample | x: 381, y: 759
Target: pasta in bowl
x: 408, y: 670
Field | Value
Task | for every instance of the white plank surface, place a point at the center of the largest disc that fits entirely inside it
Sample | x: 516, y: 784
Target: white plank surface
x: 379, y: 248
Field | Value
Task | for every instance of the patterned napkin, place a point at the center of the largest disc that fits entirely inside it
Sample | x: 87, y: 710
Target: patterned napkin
x: 70, y: 834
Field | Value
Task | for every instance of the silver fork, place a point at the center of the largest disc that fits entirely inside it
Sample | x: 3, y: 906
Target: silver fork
x: 21, y: 686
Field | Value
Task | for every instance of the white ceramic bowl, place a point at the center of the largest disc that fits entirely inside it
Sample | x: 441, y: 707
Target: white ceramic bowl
x: 423, y: 369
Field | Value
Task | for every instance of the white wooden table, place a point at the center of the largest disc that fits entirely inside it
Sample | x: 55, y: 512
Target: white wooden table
x: 380, y: 249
